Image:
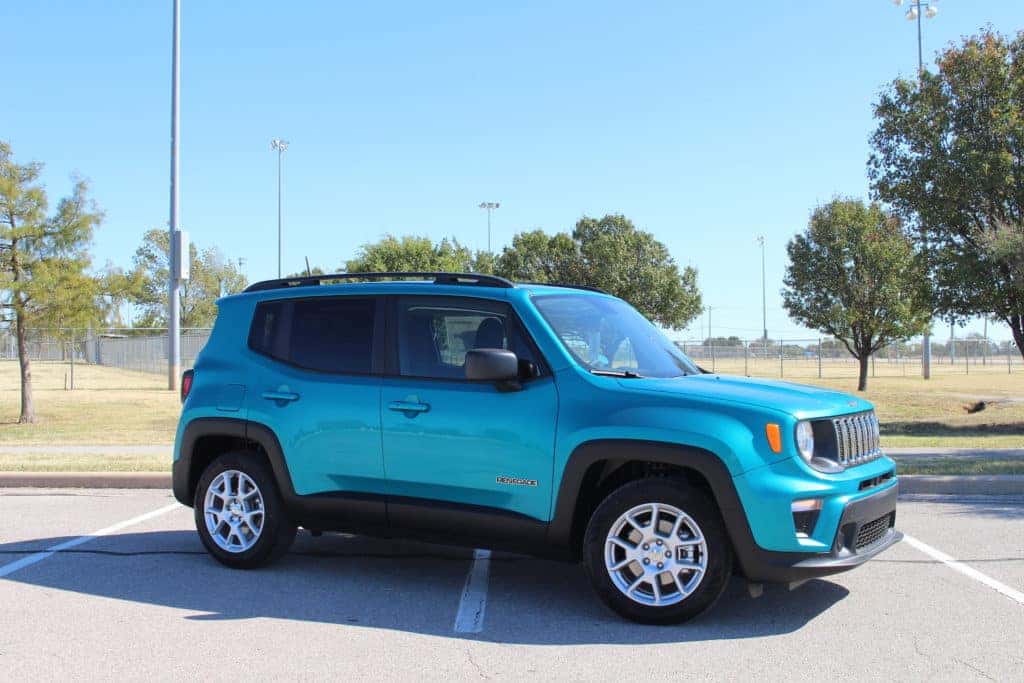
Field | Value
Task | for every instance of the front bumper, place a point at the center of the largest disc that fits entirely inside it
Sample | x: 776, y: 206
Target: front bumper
x: 865, y: 529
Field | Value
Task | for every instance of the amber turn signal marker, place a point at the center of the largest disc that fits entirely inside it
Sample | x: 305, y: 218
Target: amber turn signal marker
x: 771, y: 430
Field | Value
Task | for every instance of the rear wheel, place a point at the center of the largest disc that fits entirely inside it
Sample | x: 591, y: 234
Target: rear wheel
x: 657, y: 551
x: 239, y: 513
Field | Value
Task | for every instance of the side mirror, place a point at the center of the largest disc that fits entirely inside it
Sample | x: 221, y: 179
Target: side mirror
x: 492, y: 365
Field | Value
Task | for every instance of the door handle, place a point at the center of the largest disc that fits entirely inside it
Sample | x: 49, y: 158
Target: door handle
x: 409, y: 406
x: 280, y: 396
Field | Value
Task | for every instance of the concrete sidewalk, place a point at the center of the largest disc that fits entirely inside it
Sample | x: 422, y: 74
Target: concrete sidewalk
x: 908, y: 452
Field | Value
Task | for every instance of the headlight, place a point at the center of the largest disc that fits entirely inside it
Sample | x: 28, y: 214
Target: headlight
x: 805, y: 440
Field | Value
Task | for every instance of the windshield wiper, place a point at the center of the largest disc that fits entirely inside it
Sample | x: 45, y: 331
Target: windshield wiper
x: 628, y: 374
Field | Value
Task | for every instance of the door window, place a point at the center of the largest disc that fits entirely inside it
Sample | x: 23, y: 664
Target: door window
x: 434, y: 334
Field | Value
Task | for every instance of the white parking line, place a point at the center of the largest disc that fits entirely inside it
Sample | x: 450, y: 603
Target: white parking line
x: 945, y: 559
x: 8, y: 569
x: 470, y: 617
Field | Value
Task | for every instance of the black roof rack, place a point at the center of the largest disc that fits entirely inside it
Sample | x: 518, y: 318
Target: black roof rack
x: 439, y: 279
x: 559, y: 284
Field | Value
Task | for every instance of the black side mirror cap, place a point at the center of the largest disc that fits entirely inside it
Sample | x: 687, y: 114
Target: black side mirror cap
x: 492, y: 365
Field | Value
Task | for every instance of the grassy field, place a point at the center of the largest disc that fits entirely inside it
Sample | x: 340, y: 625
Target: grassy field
x: 110, y: 406
x: 120, y: 407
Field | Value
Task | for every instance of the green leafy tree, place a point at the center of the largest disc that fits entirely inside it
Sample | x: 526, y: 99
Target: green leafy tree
x: 211, y: 276
x: 854, y: 274
x: 612, y: 254
x: 43, y: 260
x: 947, y: 156
x: 411, y: 254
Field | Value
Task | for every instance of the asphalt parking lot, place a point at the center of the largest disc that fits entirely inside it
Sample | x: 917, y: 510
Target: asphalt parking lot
x: 142, y: 599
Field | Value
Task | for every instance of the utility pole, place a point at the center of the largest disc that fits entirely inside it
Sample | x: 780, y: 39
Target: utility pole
x: 764, y: 294
x: 280, y: 146
x: 174, y: 284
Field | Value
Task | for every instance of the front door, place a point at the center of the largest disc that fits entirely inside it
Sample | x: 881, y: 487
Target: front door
x: 449, y: 439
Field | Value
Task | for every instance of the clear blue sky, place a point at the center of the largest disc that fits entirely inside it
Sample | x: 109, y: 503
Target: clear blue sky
x: 706, y: 123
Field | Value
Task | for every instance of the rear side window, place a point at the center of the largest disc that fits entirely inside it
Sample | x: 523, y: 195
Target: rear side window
x: 325, y: 334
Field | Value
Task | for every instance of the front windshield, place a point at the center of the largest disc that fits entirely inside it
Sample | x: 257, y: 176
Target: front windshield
x: 609, y: 336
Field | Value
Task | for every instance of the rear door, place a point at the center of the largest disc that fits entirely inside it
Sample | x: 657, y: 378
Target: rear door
x: 317, y: 385
x: 449, y: 439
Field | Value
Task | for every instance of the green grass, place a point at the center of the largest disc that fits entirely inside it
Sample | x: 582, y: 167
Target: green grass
x: 110, y: 406
x: 99, y: 462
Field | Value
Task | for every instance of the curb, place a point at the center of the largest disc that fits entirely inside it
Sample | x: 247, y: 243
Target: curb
x: 963, y: 485
x: 86, y: 480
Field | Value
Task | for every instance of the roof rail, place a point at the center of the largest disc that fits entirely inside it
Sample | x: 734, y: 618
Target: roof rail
x: 559, y: 284
x: 439, y: 279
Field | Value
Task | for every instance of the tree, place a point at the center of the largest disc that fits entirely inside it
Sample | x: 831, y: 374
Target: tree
x: 43, y: 260
x: 411, y: 254
x: 211, y: 276
x: 948, y: 155
x: 612, y: 254
x: 854, y: 274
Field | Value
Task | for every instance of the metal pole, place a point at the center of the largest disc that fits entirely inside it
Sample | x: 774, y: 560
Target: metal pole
x: 746, y: 361
x: 819, y: 357
x: 279, y: 153
x: 984, y: 349
x: 174, y: 305
x: 488, y: 229
x: 926, y: 348
x: 764, y: 293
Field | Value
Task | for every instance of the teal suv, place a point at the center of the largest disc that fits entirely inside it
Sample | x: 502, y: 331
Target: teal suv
x: 550, y: 420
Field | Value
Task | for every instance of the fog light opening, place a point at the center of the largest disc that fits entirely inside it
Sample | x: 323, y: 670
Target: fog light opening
x: 805, y: 516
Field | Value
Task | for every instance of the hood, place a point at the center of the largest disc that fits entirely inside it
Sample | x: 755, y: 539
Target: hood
x: 799, y: 400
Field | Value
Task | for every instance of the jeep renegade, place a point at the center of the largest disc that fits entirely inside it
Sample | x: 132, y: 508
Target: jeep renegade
x: 550, y: 420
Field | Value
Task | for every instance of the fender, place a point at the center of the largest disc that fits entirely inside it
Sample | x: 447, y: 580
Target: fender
x: 328, y: 511
x: 753, y: 561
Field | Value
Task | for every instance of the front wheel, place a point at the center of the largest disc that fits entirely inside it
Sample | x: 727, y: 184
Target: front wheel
x: 657, y: 551
x: 239, y: 513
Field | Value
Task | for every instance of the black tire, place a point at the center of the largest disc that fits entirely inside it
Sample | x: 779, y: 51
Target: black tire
x: 278, y: 531
x: 693, y: 502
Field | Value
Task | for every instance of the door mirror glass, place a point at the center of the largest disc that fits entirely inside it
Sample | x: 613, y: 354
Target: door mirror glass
x: 491, y: 365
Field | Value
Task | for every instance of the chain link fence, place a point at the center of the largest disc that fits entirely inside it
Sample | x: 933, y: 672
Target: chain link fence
x: 827, y: 358
x: 76, y: 358
x: 142, y: 356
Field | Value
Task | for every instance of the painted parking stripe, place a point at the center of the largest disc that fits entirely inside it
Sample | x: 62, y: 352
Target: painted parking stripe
x: 470, y: 617
x: 8, y: 569
x: 966, y: 570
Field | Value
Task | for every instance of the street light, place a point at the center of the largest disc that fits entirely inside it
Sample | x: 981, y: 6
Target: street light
x: 176, y: 258
x: 914, y: 14
x: 490, y: 206
x: 764, y: 293
x: 279, y: 145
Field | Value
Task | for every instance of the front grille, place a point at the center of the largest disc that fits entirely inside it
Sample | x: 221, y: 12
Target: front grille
x: 872, y: 532
x: 857, y: 438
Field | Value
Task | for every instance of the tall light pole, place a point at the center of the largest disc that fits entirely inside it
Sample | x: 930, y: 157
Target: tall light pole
x: 174, y: 281
x: 279, y: 145
x: 490, y: 206
x: 764, y: 293
x: 929, y: 10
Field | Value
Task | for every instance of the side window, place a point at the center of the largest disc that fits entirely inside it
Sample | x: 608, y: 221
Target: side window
x: 435, y: 333
x: 264, y: 330
x: 333, y: 335
x: 326, y: 334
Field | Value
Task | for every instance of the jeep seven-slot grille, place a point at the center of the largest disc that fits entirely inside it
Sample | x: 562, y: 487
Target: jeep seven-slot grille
x: 872, y: 532
x: 857, y: 438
